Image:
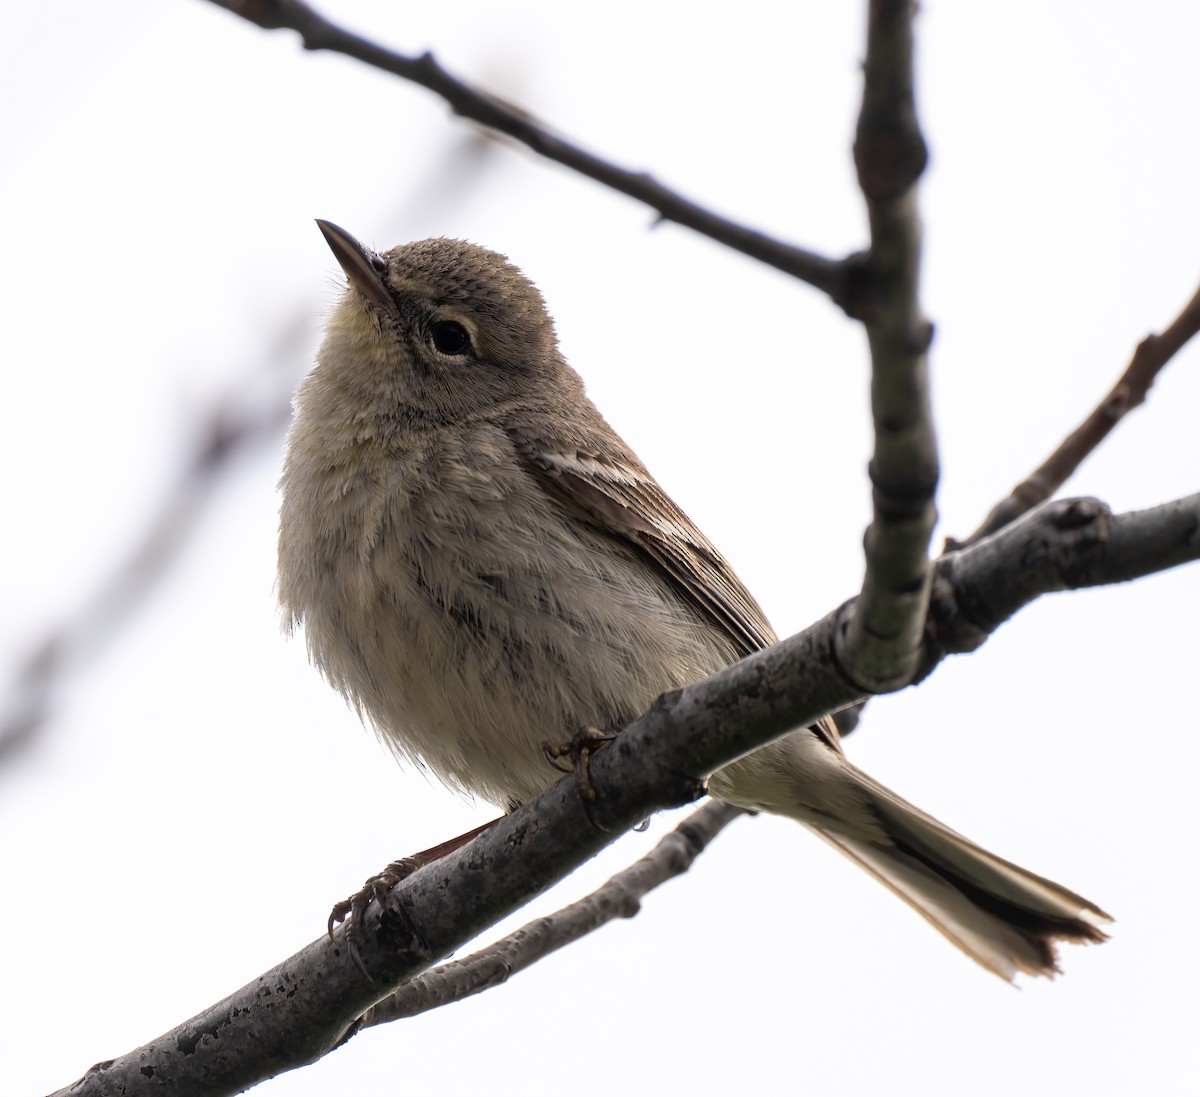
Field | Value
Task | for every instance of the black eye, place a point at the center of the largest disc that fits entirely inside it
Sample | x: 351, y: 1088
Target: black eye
x: 450, y: 337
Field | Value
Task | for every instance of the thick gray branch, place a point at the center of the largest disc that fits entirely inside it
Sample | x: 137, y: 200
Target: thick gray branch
x: 1065, y: 545
x: 312, y: 1002
x: 882, y: 644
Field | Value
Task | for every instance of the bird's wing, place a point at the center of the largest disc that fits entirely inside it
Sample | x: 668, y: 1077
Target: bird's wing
x: 623, y: 499
x: 618, y: 494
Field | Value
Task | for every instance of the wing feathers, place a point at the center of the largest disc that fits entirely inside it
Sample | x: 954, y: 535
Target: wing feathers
x: 621, y: 497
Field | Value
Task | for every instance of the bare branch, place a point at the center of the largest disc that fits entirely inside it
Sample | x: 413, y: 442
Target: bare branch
x: 1064, y: 545
x: 881, y: 646
x: 619, y: 897
x: 1151, y: 355
x: 318, y: 999
x: 312, y: 1002
x: 837, y: 278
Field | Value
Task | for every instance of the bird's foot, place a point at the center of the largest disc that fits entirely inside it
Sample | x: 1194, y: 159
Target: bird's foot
x: 352, y: 909
x: 579, y: 749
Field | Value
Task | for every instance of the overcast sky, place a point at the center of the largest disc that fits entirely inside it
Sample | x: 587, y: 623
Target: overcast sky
x: 199, y: 798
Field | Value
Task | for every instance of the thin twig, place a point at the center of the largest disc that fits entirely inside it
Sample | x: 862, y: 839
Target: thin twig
x: 619, y: 897
x: 837, y: 278
x: 1151, y: 355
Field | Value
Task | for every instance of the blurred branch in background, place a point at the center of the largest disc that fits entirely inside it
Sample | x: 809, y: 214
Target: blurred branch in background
x: 225, y: 431
x: 233, y: 425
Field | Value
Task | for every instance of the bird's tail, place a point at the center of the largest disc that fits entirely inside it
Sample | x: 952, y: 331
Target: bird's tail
x: 1004, y: 917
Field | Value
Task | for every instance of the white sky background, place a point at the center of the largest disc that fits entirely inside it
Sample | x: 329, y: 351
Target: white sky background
x: 201, y: 798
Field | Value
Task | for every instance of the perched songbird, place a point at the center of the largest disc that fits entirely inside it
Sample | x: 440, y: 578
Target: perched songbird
x: 482, y: 565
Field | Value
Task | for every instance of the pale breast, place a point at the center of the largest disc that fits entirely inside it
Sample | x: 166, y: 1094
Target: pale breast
x: 471, y: 618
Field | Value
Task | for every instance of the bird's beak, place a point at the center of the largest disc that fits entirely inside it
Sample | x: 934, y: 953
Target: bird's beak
x: 364, y: 267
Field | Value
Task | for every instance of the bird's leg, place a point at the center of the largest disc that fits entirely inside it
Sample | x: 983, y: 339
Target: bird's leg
x: 579, y: 749
x: 351, y: 910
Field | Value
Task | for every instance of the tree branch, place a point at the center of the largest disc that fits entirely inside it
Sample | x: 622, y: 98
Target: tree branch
x: 837, y: 278
x: 313, y: 1002
x: 619, y: 897
x: 1065, y: 545
x: 317, y: 999
x: 1151, y: 355
x: 881, y: 645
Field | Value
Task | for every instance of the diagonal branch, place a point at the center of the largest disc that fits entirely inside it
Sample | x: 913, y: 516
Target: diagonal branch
x: 312, y: 1002
x: 882, y: 643
x: 837, y: 278
x: 619, y: 897
x: 1151, y: 355
x: 1068, y: 544
x: 315, y: 1001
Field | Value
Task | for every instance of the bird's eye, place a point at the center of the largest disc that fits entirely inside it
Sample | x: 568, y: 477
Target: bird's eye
x: 450, y: 337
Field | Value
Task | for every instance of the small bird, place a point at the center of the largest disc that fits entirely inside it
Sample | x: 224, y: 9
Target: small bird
x: 482, y: 565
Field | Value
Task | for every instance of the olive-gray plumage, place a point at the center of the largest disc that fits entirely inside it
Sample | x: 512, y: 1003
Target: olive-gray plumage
x: 481, y: 564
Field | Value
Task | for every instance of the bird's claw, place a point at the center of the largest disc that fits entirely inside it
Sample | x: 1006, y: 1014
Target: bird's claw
x: 579, y: 749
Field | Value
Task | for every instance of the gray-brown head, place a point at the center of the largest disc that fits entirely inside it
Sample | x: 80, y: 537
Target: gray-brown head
x: 439, y: 329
